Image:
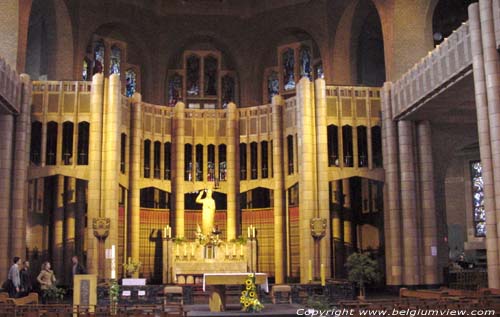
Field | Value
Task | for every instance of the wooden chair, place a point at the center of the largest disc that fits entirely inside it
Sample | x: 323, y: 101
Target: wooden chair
x: 173, y: 295
x: 283, y: 291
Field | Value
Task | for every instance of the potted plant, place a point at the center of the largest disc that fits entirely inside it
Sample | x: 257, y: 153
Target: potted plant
x: 362, y: 270
x: 114, y: 293
x: 132, y: 268
x: 54, y: 294
x: 249, y: 299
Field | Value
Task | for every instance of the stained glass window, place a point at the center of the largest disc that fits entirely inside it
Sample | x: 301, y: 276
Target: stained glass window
x: 131, y: 82
x: 193, y: 76
x: 319, y: 71
x: 114, y: 65
x: 479, y: 214
x: 227, y: 90
x: 85, y: 70
x: 305, y: 62
x: 210, y: 79
x: 98, y: 57
x: 288, y: 74
x: 174, y: 89
x: 273, y: 85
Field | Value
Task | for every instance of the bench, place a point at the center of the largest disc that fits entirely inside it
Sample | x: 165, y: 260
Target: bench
x: 422, y: 294
x: 32, y: 298
x: 173, y: 295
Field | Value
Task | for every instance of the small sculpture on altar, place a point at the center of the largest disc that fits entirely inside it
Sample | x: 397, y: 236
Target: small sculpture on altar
x: 207, y: 220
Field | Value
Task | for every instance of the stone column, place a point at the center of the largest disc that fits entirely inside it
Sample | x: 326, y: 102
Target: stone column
x: 95, y: 157
x: 111, y: 161
x: 69, y: 224
x: 20, y: 167
x: 232, y: 174
x: 409, y: 203
x: 58, y: 227
x: 306, y: 161
x: 392, y: 225
x: 279, y: 189
x: 178, y: 168
x: 6, y: 155
x: 134, y: 193
x: 492, y: 79
x: 429, y: 265
x: 347, y: 215
x: 483, y: 125
x: 80, y: 218
x: 322, y: 170
x: 337, y: 230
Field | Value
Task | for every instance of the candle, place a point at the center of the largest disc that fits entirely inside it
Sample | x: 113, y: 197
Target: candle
x: 241, y: 249
x: 113, y: 262
x: 253, y: 232
x: 165, y: 233
x: 192, y: 249
x: 185, y: 249
x: 309, y: 271
x: 248, y: 232
x: 129, y: 260
x: 322, y: 273
x: 169, y: 232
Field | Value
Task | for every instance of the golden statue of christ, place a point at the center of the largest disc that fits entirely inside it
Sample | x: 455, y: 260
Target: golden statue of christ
x: 207, y: 220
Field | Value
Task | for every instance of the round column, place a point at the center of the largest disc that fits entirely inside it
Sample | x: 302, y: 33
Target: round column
x: 6, y: 149
x: 233, y: 162
x: 134, y: 193
x: 178, y: 168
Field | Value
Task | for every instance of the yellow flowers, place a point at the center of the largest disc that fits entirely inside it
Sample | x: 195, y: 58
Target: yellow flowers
x: 248, y: 297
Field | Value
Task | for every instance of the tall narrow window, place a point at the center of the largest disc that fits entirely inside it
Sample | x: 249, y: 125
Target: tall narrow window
x: 168, y: 160
x: 305, y: 62
x: 362, y: 147
x: 67, y: 143
x: 479, y: 214
x: 51, y: 148
x: 377, y: 146
x: 273, y: 85
x: 253, y: 160
x: 86, y: 69
x: 222, y: 162
x: 83, y: 143
x: 174, y: 89
x: 193, y: 76
x: 98, y: 57
x: 131, y: 82
x: 347, y: 142
x: 36, y: 142
x: 243, y: 161
x: 199, y: 162
x: 157, y: 154
x: 288, y: 70
x: 147, y: 158
x: 188, y: 162
x: 289, y: 150
x: 211, y: 163
x: 318, y: 71
x: 123, y: 152
x: 333, y: 145
x: 264, y: 155
x: 227, y: 90
x: 115, y: 59
x: 210, y: 78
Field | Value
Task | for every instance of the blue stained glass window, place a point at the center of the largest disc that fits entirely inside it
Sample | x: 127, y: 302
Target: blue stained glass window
x: 305, y: 62
x: 114, y: 65
x: 193, y: 76
x: 479, y: 213
x: 98, y: 57
x: 273, y: 85
x: 210, y: 79
x: 288, y: 67
x: 227, y: 90
x: 319, y: 71
x: 174, y: 89
x: 85, y: 71
x: 131, y: 82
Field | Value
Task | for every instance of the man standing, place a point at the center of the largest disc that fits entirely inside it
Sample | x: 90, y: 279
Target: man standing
x: 25, y: 275
x: 77, y: 267
x: 15, y: 281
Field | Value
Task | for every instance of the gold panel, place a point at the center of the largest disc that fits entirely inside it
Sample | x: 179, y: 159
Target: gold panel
x: 147, y: 123
x: 346, y: 108
x: 253, y: 125
x: 263, y: 124
x: 53, y: 103
x: 361, y: 108
x: 199, y: 128
x: 37, y: 103
x: 331, y: 107
x: 188, y: 126
x: 69, y: 103
x: 222, y: 128
x: 211, y: 127
x: 157, y: 125
x: 375, y: 108
x: 84, y: 103
x: 243, y: 127
x: 168, y: 126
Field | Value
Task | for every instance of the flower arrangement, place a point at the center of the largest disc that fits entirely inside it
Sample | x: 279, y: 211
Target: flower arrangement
x: 132, y: 267
x: 248, y: 297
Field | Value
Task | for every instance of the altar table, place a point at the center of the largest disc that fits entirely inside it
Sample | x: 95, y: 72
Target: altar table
x: 218, y: 282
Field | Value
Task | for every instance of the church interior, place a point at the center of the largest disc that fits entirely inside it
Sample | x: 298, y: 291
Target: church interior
x: 274, y: 136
